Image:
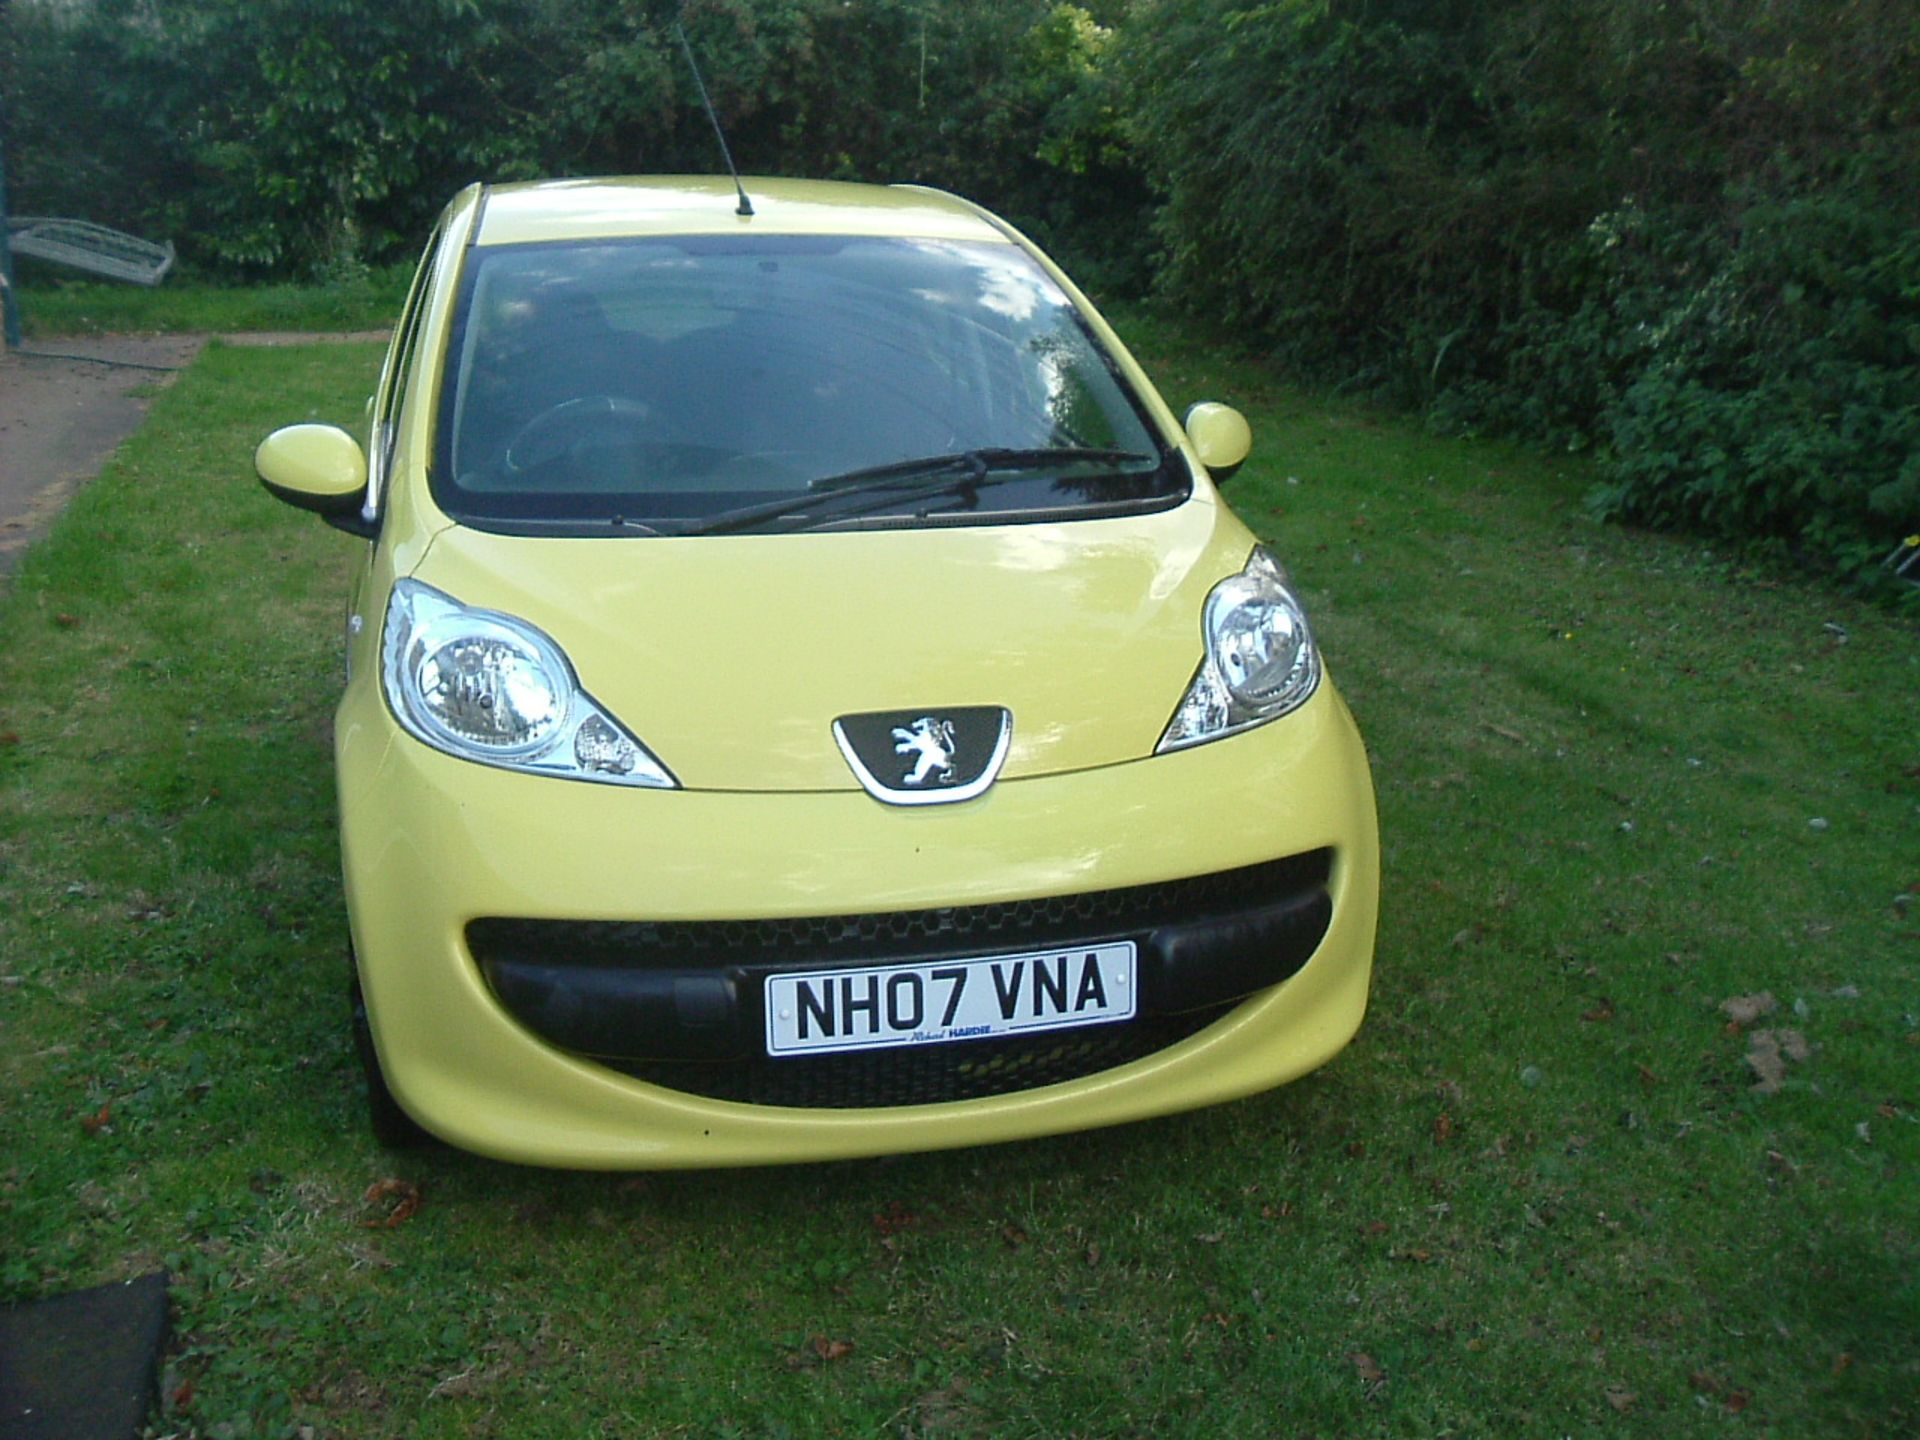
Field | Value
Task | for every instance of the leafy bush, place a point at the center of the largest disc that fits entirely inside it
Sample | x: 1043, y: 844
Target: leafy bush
x: 1679, y: 232
x: 1320, y: 171
x: 278, y: 137
x: 1779, y: 392
x: 311, y: 137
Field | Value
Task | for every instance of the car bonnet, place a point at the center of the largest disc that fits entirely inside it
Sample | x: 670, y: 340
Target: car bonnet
x: 730, y: 657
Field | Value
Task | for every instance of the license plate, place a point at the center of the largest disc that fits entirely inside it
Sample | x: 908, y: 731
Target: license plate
x: 821, y: 1011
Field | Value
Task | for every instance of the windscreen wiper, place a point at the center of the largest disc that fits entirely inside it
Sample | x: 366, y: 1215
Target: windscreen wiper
x: 926, y: 477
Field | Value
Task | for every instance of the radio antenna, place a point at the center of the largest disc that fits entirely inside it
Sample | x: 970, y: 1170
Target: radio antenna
x: 746, y: 206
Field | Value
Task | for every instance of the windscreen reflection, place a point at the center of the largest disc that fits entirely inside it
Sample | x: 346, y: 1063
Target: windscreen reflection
x: 669, y: 379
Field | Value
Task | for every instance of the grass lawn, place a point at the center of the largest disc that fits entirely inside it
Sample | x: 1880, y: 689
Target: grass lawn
x: 53, y: 303
x: 1621, y: 785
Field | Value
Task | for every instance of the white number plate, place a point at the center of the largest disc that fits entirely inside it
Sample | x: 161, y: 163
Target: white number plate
x: 820, y: 1011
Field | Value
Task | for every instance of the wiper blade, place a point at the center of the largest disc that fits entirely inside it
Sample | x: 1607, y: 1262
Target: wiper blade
x: 979, y: 461
x: 927, y: 477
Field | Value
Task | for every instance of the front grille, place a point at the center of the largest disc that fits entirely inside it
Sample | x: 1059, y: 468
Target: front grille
x: 924, y: 1075
x: 617, y: 992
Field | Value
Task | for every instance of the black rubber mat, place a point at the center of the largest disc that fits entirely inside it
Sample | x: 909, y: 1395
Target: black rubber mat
x: 81, y: 1366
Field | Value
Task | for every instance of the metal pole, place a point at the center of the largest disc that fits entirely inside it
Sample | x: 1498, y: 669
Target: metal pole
x: 9, y: 293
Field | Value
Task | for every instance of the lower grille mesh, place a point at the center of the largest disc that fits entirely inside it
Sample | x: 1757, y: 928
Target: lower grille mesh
x: 927, y: 1075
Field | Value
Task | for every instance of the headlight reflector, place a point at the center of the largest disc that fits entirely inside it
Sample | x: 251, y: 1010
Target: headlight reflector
x: 491, y: 692
x: 487, y: 687
x: 1260, y: 659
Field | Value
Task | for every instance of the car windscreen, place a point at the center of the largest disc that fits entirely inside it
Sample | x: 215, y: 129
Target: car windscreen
x: 769, y: 382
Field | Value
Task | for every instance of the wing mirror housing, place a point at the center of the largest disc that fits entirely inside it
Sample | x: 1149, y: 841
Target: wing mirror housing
x: 319, y: 468
x: 1221, y: 437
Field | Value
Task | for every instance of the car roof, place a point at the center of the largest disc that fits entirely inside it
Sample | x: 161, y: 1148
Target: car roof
x: 705, y: 205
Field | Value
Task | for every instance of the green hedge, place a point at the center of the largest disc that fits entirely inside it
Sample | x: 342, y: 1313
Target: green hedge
x: 1679, y: 233
x: 304, y: 138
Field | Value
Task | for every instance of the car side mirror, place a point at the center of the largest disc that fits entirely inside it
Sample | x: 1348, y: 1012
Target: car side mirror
x: 1221, y: 437
x: 319, y: 468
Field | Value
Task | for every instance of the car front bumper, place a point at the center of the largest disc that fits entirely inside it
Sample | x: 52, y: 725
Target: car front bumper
x: 437, y: 850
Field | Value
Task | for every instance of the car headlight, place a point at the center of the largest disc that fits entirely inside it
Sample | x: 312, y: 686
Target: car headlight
x: 1260, y: 658
x: 487, y: 687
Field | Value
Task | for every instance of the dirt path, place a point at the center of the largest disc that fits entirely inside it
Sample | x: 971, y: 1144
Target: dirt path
x: 60, y: 419
x: 62, y: 413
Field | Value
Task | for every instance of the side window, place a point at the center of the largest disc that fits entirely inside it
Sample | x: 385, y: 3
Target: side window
x: 393, y: 375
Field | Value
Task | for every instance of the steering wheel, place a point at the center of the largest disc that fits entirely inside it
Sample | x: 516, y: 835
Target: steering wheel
x: 560, y: 429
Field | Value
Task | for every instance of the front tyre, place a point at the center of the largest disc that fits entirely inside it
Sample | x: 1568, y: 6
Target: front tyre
x: 392, y: 1127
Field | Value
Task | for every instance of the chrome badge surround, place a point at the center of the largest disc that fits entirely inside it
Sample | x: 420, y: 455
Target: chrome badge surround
x: 925, y: 746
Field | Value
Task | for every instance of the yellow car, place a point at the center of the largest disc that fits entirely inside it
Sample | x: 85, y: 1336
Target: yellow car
x: 806, y: 697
